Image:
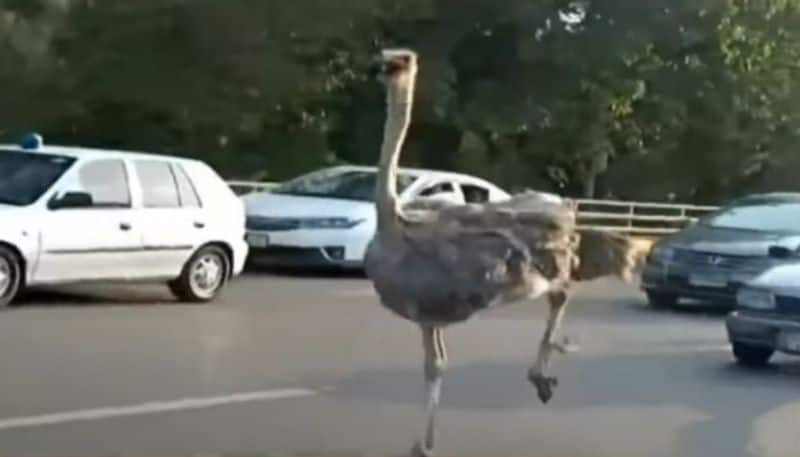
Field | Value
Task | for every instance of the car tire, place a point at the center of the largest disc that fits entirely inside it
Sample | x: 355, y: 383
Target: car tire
x: 10, y: 276
x: 661, y: 299
x: 203, y: 276
x: 751, y: 355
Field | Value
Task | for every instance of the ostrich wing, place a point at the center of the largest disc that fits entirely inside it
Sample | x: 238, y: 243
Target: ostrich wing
x: 445, y: 277
x: 458, y: 259
x: 529, y: 209
x: 540, y: 224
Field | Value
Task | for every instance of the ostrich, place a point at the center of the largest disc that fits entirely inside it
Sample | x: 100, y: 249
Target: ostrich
x: 437, y: 264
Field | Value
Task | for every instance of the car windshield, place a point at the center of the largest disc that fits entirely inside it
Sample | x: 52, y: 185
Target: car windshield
x: 775, y: 215
x: 25, y: 176
x: 344, y: 184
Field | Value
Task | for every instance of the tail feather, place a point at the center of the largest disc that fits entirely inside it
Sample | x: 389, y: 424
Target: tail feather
x: 603, y: 253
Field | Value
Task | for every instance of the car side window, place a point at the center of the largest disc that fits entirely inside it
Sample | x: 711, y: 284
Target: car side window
x: 186, y: 190
x: 106, y: 180
x: 439, y: 188
x: 159, y: 189
x: 474, y: 193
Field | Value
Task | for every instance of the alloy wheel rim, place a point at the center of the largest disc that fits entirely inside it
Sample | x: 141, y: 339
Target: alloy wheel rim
x: 5, y: 277
x: 207, y: 274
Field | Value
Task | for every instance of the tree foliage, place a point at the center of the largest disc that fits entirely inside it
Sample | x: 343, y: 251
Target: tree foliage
x: 695, y: 100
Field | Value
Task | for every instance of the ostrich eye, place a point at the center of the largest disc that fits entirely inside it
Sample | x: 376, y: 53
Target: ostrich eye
x: 395, y: 66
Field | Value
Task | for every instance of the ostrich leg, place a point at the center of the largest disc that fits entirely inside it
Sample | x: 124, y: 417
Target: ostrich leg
x: 435, y: 362
x: 536, y: 375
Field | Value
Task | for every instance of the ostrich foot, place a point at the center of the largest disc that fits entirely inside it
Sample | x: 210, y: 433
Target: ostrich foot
x: 419, y: 450
x: 566, y: 345
x: 544, y: 385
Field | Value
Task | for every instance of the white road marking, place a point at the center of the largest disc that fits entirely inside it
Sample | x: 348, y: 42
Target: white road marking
x: 151, y: 408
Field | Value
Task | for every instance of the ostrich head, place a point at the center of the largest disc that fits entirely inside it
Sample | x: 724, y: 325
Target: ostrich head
x: 397, y: 69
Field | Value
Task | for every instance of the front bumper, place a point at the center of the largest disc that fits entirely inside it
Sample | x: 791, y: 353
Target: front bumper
x: 674, y: 279
x: 310, y: 248
x: 777, y: 332
x: 292, y: 256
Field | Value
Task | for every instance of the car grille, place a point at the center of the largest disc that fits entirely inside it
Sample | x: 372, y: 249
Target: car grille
x: 787, y: 304
x: 713, y: 260
x: 682, y: 282
x: 272, y: 224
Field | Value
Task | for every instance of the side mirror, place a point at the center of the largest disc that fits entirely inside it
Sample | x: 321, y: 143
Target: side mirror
x: 71, y: 200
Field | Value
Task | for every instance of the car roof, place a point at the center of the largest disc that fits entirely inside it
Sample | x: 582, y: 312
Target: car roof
x: 89, y: 153
x: 769, y: 197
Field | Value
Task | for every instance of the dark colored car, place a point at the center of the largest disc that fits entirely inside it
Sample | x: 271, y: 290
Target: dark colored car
x: 711, y: 259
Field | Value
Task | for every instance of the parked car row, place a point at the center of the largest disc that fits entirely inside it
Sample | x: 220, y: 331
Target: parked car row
x: 78, y: 214
x: 745, y: 256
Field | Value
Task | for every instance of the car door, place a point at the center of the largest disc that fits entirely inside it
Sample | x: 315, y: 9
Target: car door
x: 170, y: 215
x: 95, y: 241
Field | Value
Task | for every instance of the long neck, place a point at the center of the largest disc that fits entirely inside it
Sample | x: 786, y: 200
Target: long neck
x: 398, y: 117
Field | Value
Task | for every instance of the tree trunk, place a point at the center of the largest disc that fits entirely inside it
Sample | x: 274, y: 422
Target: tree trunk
x: 597, y: 165
x: 589, y: 183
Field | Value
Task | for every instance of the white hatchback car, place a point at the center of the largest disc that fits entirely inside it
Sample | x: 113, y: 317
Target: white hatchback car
x: 327, y: 217
x: 72, y: 215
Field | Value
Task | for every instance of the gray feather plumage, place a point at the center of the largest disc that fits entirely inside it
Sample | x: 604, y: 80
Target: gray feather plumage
x: 455, y: 260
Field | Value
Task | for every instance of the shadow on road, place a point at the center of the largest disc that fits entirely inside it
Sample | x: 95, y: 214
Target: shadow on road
x: 708, y: 384
x: 305, y: 272
x: 97, y: 296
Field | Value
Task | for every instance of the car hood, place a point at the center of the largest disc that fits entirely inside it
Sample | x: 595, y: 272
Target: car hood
x: 729, y: 241
x: 277, y: 205
x: 780, y: 277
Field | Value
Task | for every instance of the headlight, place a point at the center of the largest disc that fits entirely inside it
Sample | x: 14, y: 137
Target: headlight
x: 755, y: 298
x: 329, y: 223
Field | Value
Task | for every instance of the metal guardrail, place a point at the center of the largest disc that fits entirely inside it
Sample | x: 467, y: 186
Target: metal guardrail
x: 635, y: 218
x: 638, y: 218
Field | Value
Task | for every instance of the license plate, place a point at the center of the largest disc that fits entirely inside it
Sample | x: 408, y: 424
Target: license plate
x: 790, y: 341
x: 708, y: 280
x: 258, y: 241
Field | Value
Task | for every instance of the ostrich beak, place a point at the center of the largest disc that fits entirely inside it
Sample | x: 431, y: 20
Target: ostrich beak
x: 392, y: 63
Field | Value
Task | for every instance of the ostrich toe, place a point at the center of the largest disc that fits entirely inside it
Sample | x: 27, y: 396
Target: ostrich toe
x: 419, y: 450
x: 544, y: 385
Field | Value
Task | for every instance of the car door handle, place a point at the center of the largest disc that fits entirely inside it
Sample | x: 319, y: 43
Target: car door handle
x: 199, y: 224
x: 124, y: 226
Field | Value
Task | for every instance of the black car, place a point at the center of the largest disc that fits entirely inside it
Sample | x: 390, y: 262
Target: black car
x: 711, y: 259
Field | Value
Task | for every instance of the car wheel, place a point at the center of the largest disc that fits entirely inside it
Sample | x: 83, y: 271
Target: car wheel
x: 10, y: 276
x: 661, y: 299
x: 203, y: 276
x: 751, y: 355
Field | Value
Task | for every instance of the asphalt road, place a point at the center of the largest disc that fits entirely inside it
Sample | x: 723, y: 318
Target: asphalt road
x: 286, y: 365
